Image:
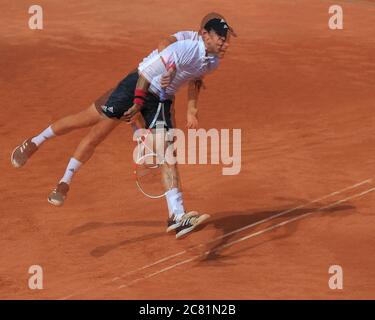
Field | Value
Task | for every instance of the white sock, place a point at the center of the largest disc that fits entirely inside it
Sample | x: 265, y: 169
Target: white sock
x: 71, y: 169
x: 43, y: 136
x: 175, y: 203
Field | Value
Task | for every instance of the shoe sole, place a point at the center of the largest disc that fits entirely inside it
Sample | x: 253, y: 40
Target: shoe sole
x: 15, y: 164
x: 173, y: 227
x: 55, y: 202
x: 185, y: 232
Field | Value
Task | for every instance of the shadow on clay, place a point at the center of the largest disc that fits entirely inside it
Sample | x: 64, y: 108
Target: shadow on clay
x: 227, y: 222
x: 103, y: 250
x: 100, y: 225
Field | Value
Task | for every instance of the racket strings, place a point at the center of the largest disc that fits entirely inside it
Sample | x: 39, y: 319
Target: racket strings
x: 149, y: 171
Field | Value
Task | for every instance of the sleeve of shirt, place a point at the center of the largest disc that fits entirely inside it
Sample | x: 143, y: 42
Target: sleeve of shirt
x: 186, y: 35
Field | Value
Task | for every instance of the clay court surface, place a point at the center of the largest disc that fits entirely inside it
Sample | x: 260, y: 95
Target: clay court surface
x: 303, y: 96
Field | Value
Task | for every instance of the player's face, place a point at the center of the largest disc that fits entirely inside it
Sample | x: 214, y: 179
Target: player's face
x: 215, y: 44
x: 224, y: 47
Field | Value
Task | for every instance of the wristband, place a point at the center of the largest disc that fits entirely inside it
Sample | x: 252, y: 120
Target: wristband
x: 139, y: 97
x: 139, y: 101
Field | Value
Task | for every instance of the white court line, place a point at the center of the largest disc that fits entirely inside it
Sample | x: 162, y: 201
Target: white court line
x: 150, y: 265
x: 248, y: 237
x: 223, y: 236
x: 157, y: 272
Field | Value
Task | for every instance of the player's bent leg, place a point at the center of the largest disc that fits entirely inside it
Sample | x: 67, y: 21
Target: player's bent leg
x: 104, y: 115
x: 85, y: 118
x: 83, y: 153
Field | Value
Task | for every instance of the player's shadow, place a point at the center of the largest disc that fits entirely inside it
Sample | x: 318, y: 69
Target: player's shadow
x: 226, y: 223
x: 101, y: 225
x: 104, y: 249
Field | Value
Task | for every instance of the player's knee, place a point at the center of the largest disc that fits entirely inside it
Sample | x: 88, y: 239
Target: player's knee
x: 99, y: 133
x: 95, y: 139
x: 91, y: 141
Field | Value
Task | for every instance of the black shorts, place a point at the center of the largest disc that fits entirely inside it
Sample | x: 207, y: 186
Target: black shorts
x: 116, y: 102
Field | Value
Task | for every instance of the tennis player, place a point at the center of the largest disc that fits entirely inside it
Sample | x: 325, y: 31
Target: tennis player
x: 193, y: 55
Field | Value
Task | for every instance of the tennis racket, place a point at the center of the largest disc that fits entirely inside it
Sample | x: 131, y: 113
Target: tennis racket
x: 150, y: 164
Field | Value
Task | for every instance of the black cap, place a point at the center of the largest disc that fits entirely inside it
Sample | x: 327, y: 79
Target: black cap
x: 220, y: 26
x: 215, y: 15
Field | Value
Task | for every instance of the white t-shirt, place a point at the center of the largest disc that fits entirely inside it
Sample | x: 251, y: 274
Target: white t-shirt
x: 189, y: 57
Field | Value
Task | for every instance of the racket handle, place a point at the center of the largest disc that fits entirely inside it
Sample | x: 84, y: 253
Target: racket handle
x: 162, y: 94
